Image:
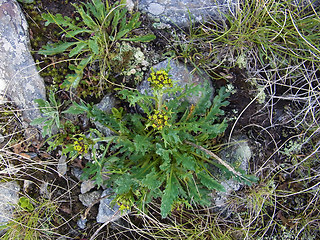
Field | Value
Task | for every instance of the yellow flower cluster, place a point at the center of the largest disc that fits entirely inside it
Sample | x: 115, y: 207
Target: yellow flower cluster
x: 160, y: 79
x: 159, y: 120
x: 80, y: 146
x: 123, y: 207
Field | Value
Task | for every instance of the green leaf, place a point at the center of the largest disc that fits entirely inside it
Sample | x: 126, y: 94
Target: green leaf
x: 38, y: 121
x: 76, y: 109
x: 187, y: 161
x: 152, y: 181
x: 145, y: 38
x: 209, y: 182
x: 166, y: 156
x: 170, y: 137
x: 41, y: 103
x: 26, y: 1
x: 171, y: 194
x: 123, y: 184
x: 56, y: 48
x: 87, y: 20
x: 76, y: 50
x: 134, y: 22
x: 94, y: 47
x: 98, y: 10
x: 116, y: 17
x: 120, y: 34
x: 142, y: 144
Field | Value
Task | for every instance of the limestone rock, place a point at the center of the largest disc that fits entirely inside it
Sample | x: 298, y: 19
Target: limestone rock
x: 86, y: 186
x: 88, y: 199
x: 177, y: 11
x: 106, y: 104
x: 9, y: 195
x: 19, y: 78
x: 106, y: 212
x: 239, y: 153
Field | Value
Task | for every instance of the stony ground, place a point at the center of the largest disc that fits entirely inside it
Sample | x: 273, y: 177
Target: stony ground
x: 264, y: 128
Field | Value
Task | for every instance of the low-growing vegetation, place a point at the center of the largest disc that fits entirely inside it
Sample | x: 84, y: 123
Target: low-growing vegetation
x: 161, y: 157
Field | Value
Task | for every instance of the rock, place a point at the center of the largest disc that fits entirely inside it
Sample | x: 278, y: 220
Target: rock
x: 106, y: 104
x: 82, y: 223
x: 62, y: 166
x: 239, y: 153
x: 130, y: 5
x: 86, y: 186
x: 9, y: 195
x: 90, y: 198
x: 44, y: 190
x: 182, y: 75
x: 176, y: 12
x: 106, y: 212
x: 19, y: 78
x: 77, y: 172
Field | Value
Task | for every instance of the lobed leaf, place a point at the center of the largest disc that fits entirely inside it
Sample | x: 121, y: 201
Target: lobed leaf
x: 209, y: 182
x: 56, y: 48
x: 171, y: 194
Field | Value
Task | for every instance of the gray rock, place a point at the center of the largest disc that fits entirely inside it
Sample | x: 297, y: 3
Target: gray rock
x: 9, y: 195
x: 44, y: 192
x: 86, y: 186
x: 239, y: 153
x: 19, y: 78
x: 106, y: 104
x: 177, y: 11
x: 106, y: 212
x: 77, y: 172
x: 90, y: 198
x: 82, y: 223
x: 62, y: 166
x: 182, y: 75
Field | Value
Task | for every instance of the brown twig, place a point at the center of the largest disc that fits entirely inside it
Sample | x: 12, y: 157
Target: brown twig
x: 215, y: 157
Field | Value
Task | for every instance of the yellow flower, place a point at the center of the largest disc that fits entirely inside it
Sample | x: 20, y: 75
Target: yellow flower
x: 160, y: 79
x: 123, y: 207
x: 159, y: 119
x: 80, y: 146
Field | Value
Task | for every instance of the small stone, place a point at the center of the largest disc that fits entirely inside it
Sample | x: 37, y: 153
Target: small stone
x: 106, y: 212
x: 44, y: 190
x: 130, y: 5
x: 26, y: 185
x: 156, y: 8
x: 77, y: 172
x: 90, y: 198
x: 62, y: 166
x: 239, y: 154
x: 86, y: 186
x: 82, y: 223
x: 1, y: 138
x: 9, y: 195
x: 106, y: 104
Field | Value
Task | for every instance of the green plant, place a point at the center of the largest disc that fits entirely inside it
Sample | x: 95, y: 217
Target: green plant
x: 259, y: 33
x: 153, y: 154
x: 31, y: 222
x: 91, y: 36
x: 25, y: 204
x: 50, y: 112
